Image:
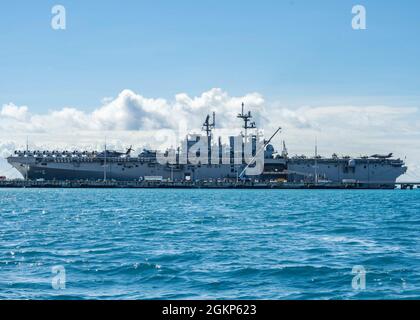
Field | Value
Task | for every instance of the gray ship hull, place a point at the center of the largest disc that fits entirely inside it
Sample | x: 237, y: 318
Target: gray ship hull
x: 364, y: 172
x: 123, y: 171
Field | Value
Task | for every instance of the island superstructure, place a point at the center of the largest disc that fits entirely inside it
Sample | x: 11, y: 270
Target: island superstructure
x: 376, y: 171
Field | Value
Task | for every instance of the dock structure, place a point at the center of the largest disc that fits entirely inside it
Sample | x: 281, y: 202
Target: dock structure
x: 408, y: 185
x: 228, y: 184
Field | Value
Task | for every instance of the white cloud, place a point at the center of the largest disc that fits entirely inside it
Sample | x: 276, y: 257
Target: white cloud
x: 131, y: 111
x: 14, y: 112
x: 131, y: 118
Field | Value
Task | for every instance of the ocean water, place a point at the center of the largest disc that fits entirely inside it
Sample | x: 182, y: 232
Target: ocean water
x: 209, y: 244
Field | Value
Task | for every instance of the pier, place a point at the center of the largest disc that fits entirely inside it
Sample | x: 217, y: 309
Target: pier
x: 111, y: 184
x: 408, y: 185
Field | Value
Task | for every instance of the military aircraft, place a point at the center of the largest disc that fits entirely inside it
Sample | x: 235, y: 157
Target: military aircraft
x: 382, y: 156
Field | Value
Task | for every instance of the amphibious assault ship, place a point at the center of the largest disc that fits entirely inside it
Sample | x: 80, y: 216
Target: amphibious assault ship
x: 376, y: 171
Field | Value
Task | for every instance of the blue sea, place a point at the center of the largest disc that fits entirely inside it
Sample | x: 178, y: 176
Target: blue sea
x: 209, y: 244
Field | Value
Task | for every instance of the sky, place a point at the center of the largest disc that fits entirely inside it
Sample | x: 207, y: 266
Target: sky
x: 127, y: 65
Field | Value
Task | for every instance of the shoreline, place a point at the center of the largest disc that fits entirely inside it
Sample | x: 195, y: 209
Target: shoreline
x: 88, y: 184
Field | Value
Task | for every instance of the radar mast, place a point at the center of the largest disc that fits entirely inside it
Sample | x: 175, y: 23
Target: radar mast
x: 246, y: 117
x: 209, y: 126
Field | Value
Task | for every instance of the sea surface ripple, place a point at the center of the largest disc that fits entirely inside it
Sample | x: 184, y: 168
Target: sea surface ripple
x: 209, y: 244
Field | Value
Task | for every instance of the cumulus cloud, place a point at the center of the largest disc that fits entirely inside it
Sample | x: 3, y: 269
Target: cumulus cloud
x: 12, y: 111
x: 131, y: 118
x: 131, y: 111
